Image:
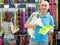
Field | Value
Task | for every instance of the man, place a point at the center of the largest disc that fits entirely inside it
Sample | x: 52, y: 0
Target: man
x: 46, y: 19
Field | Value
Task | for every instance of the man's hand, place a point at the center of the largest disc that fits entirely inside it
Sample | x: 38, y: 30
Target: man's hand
x: 50, y: 32
x: 33, y: 26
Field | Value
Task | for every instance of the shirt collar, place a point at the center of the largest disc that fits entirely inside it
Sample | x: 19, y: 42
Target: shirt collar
x: 45, y: 14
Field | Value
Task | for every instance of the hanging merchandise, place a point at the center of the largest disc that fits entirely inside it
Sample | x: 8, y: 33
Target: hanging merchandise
x: 5, y: 1
x: 0, y: 20
x: 47, y: 0
x: 53, y: 13
x: 32, y: 1
x: 15, y: 25
x: 23, y: 20
x: 21, y: 1
x: 26, y: 1
x: 13, y: 1
x: 22, y: 6
x: 3, y: 17
x: 10, y: 2
x: 36, y: 0
x: 18, y: 18
x: 1, y: 2
x: 12, y: 17
x: 56, y: 13
x: 17, y: 1
x: 26, y: 13
x: 5, y: 14
x: 31, y: 10
x: 40, y: 0
x: 1, y: 40
x: 12, y: 6
x: 15, y: 18
x: 52, y: 8
x: 1, y: 30
x: 1, y: 5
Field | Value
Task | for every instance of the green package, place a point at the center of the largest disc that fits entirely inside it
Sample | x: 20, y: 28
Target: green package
x: 45, y: 29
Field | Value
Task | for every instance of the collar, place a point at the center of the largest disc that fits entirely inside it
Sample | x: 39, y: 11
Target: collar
x: 46, y: 15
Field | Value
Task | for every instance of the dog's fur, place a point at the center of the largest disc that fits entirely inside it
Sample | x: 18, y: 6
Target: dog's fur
x: 35, y: 20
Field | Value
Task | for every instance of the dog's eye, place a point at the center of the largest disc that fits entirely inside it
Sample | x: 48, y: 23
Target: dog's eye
x: 37, y: 16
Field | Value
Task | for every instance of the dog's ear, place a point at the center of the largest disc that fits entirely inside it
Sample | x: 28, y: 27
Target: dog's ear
x: 37, y: 16
x: 33, y: 15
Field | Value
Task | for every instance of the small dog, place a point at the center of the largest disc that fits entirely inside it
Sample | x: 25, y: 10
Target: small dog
x: 35, y: 20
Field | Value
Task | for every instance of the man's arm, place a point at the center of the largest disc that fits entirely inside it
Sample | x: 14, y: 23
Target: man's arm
x: 52, y: 24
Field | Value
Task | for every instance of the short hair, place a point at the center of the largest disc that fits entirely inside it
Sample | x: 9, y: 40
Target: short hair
x: 8, y: 16
x: 42, y: 1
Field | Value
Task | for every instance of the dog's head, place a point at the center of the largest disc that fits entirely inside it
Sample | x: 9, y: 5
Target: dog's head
x: 35, y: 16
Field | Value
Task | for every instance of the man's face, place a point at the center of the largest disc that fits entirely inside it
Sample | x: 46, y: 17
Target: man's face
x: 44, y: 6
